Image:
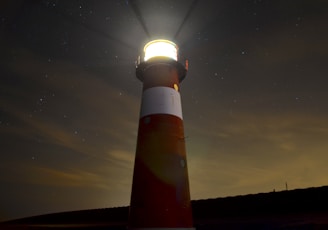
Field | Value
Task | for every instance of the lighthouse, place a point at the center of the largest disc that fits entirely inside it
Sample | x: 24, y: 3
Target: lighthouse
x: 160, y: 197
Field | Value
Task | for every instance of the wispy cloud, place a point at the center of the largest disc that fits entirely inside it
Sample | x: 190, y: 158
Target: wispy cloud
x: 258, y: 153
x: 79, y: 130
x: 68, y: 178
x: 123, y: 158
x: 81, y: 103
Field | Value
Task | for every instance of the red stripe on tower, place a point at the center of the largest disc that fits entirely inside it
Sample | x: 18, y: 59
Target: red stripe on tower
x: 160, y: 197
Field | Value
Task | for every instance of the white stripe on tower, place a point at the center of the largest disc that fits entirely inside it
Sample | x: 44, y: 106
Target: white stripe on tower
x: 161, y: 100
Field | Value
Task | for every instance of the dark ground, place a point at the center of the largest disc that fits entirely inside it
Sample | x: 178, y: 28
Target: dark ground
x: 296, y: 209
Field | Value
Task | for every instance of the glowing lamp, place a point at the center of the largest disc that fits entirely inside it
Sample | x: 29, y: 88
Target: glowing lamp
x: 161, y: 48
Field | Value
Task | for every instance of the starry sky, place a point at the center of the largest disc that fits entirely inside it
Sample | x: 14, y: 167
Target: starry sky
x: 255, y: 100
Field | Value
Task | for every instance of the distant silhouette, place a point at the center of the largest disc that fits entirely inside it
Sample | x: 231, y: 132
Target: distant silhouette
x: 302, y: 209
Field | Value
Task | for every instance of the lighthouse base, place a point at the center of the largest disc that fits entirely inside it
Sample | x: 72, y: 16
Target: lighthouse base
x: 162, y: 228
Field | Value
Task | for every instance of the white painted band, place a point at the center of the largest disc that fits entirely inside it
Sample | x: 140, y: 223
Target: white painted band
x: 161, y: 100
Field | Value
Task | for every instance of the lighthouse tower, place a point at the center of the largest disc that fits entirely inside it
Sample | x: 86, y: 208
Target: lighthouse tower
x: 160, y: 197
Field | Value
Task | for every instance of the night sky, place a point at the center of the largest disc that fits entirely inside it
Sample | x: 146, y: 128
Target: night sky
x: 255, y: 99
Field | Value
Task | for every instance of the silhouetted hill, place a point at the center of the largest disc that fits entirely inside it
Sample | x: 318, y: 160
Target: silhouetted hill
x: 296, y: 209
x: 285, y: 202
x: 112, y: 216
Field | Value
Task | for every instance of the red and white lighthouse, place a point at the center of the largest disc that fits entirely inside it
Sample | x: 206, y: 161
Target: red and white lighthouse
x: 160, y: 197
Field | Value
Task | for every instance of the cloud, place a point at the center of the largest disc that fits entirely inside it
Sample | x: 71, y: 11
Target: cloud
x: 64, y: 127
x: 122, y: 158
x: 68, y: 178
x: 66, y: 105
x: 257, y: 152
